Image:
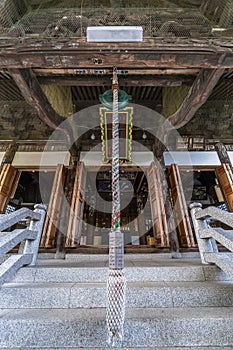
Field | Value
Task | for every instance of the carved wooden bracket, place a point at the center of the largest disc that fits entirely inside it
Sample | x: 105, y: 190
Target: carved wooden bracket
x: 197, y: 96
x: 35, y: 97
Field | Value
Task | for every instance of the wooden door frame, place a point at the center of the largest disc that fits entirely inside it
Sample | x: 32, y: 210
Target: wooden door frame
x: 8, y: 185
x: 126, y: 168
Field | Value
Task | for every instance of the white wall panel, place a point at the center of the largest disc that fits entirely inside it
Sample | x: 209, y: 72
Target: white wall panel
x: 143, y: 159
x: 191, y: 158
x: 40, y: 159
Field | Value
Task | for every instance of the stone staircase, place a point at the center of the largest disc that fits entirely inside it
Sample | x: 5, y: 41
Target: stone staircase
x: 171, y: 304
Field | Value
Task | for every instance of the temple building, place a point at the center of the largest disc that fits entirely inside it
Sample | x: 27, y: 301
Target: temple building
x: 181, y: 71
x: 174, y: 63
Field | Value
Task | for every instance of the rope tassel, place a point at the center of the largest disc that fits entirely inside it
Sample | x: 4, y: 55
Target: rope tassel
x: 116, y: 285
x: 116, y: 306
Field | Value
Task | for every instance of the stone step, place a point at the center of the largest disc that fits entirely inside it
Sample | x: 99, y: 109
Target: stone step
x: 145, y: 328
x: 143, y: 348
x: 139, y: 295
x: 68, y: 272
x: 127, y: 257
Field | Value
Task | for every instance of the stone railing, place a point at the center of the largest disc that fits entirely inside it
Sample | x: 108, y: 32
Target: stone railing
x: 207, y: 236
x: 30, y: 237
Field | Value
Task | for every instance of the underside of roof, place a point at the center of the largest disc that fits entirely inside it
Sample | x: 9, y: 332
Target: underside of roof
x: 182, y: 40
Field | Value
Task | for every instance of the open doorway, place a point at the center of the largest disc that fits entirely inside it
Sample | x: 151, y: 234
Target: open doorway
x: 28, y: 190
x: 97, y: 208
x: 202, y: 186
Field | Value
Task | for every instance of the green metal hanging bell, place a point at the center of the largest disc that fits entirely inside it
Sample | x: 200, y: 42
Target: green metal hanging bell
x: 107, y: 98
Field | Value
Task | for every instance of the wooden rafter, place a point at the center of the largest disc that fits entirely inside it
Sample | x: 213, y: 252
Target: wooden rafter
x: 35, y: 97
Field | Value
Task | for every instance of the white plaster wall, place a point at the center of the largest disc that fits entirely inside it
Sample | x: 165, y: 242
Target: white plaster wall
x: 142, y: 159
x: 40, y: 159
x: 192, y: 158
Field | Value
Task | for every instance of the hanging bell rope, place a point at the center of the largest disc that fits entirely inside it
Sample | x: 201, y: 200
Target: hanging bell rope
x: 116, y: 285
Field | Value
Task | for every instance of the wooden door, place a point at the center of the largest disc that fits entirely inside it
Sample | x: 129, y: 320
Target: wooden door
x: 180, y: 208
x: 9, y: 177
x: 54, y: 207
x: 157, y: 202
x: 76, y: 208
x: 225, y: 179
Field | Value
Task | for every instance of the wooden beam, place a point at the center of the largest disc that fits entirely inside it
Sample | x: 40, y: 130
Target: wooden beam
x: 166, y: 53
x: 50, y: 72
x: 197, y: 96
x: 124, y: 80
x: 35, y: 97
x: 141, y: 60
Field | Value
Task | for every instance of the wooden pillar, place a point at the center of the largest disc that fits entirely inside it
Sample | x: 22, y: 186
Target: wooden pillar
x: 54, y: 209
x: 76, y: 207
x: 65, y: 209
x: 9, y: 177
x: 9, y: 154
x: 158, y: 213
x: 225, y: 175
x: 225, y: 178
x: 141, y: 221
x: 91, y: 228
x: 173, y: 238
x: 158, y: 150
x: 222, y: 154
x: 180, y: 207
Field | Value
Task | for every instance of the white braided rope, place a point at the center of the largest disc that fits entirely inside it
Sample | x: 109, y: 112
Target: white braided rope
x: 116, y: 280
x: 115, y: 161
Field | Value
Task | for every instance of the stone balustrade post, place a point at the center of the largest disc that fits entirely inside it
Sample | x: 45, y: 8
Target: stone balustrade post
x: 31, y: 247
x: 206, y: 245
